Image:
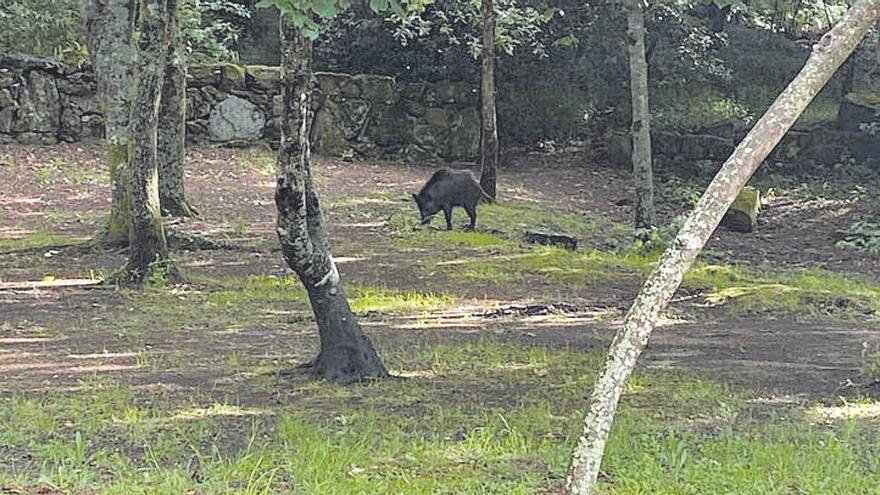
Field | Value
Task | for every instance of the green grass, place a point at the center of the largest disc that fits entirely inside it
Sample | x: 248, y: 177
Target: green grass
x: 261, y: 296
x: 36, y: 240
x: 260, y: 158
x: 480, y: 418
x: 801, y: 292
x: 807, y: 292
x: 364, y: 299
x: 498, y: 225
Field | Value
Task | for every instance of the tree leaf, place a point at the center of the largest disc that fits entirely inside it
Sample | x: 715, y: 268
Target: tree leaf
x: 325, y: 8
x: 378, y: 5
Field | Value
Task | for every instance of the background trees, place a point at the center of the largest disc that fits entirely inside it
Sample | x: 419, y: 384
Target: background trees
x: 828, y: 55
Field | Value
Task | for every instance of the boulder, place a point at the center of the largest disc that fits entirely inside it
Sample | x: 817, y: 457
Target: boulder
x: 743, y: 213
x: 705, y: 146
x: 464, y: 135
x: 263, y: 77
x: 450, y: 93
x: 378, y: 89
x: 329, y: 135
x: 858, y: 110
x: 236, y: 119
x: 7, y: 120
x: 333, y: 84
x: 6, y: 99
x: 78, y: 84
x: 39, y: 105
x: 7, y: 78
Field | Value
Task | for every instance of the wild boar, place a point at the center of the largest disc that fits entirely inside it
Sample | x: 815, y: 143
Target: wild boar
x: 447, y: 189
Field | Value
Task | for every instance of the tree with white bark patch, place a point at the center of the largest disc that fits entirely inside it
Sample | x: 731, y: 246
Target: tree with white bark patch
x: 827, y: 56
x: 346, y: 355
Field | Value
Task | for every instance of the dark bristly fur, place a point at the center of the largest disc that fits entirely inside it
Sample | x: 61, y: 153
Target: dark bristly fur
x: 447, y: 189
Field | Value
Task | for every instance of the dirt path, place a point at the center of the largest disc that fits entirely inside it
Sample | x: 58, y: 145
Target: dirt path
x: 52, y: 339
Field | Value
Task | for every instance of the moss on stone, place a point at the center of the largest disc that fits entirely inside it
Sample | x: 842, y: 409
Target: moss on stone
x: 379, y: 89
x: 437, y: 117
x: 263, y: 76
x: 868, y: 99
x: 743, y: 213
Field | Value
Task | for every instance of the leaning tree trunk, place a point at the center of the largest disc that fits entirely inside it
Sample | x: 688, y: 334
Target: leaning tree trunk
x: 489, y: 127
x: 641, y: 116
x: 148, y: 250
x: 109, y: 30
x: 172, y: 126
x: 639, y: 322
x: 346, y: 354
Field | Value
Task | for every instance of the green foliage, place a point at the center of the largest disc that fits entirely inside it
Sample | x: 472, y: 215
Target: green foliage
x: 460, y: 23
x: 211, y: 28
x: 310, y: 15
x: 861, y: 236
x: 43, y: 28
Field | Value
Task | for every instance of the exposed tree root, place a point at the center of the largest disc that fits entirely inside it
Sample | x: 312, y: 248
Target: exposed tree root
x: 161, y: 272
x: 178, y: 207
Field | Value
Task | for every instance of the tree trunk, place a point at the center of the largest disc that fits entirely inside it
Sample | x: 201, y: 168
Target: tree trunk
x: 346, y: 354
x: 793, y: 26
x: 172, y: 126
x: 639, y: 322
x: 489, y: 127
x: 148, y: 250
x: 641, y: 116
x: 108, y: 36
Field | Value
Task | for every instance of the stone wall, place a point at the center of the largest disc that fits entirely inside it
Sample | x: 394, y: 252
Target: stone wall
x: 42, y: 102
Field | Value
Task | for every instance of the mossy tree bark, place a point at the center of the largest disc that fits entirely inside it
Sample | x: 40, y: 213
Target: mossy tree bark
x: 489, y: 127
x: 827, y: 56
x: 108, y: 36
x: 148, y: 249
x: 346, y: 353
x: 641, y: 116
x: 172, y: 126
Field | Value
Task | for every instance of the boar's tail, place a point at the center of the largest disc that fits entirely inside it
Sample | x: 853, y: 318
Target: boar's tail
x: 485, y: 195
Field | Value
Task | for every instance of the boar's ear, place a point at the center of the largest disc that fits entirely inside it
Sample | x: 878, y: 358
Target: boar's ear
x: 415, y: 197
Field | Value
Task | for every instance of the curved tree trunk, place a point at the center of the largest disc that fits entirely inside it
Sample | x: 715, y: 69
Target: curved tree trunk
x: 148, y: 249
x: 489, y: 127
x: 108, y: 36
x: 639, y: 322
x: 346, y: 354
x: 641, y: 116
x: 172, y: 126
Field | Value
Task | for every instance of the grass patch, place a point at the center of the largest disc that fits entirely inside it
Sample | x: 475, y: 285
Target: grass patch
x: 499, y: 225
x: 260, y: 158
x: 490, y: 418
x: 364, y: 299
x: 239, y: 299
x: 802, y: 292
x: 809, y: 292
x: 37, y: 240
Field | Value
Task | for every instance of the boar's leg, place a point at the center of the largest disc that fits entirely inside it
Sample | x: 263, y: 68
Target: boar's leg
x: 472, y: 213
x: 447, y: 212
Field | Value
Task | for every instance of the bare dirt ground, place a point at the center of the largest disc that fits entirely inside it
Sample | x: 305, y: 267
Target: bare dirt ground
x: 52, y: 338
